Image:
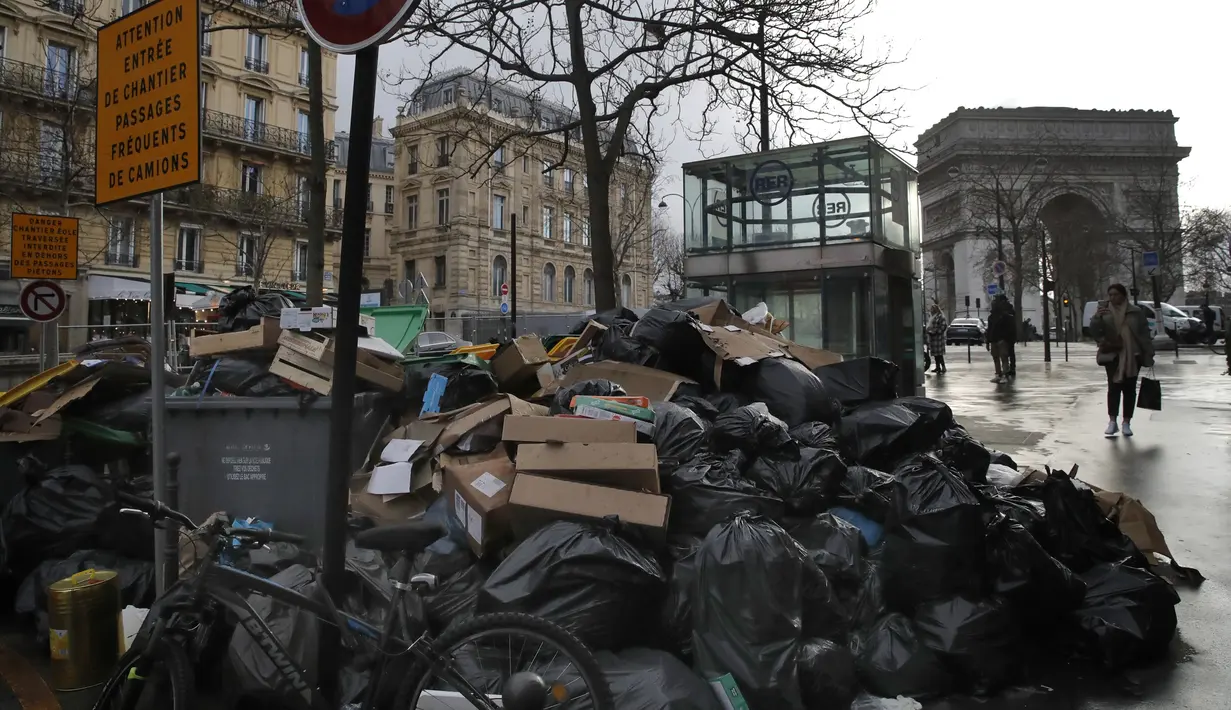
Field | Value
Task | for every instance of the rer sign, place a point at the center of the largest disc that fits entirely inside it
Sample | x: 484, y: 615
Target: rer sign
x: 771, y: 183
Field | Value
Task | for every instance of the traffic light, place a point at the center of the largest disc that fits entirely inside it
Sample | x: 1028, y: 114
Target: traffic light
x: 1066, y: 301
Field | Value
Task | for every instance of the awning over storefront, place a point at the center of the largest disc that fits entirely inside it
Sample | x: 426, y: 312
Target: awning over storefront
x: 106, y: 288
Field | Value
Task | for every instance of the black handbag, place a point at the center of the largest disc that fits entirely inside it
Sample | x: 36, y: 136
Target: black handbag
x: 1150, y: 396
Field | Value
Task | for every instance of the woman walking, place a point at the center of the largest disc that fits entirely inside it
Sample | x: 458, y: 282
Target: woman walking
x: 936, y: 328
x: 1125, y: 345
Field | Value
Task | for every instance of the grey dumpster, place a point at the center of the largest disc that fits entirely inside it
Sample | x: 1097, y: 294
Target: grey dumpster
x: 264, y: 457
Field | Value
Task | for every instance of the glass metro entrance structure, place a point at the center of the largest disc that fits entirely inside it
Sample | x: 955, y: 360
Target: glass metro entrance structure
x: 827, y: 235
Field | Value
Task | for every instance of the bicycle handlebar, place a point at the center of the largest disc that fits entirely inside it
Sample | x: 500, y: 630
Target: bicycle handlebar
x: 158, y: 511
x: 264, y: 536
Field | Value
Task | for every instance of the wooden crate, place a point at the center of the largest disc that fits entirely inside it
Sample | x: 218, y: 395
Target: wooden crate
x: 307, y: 360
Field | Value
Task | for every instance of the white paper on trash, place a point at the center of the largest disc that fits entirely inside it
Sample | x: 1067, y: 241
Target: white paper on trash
x: 488, y: 485
x: 391, y: 479
x: 400, y: 450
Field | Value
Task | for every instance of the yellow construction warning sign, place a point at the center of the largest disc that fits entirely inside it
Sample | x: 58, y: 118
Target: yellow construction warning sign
x: 149, y: 101
x: 44, y: 247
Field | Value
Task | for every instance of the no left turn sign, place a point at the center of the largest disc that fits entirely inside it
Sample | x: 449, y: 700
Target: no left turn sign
x: 42, y: 301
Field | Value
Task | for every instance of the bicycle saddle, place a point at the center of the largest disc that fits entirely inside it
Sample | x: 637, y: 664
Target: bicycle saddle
x: 409, y: 538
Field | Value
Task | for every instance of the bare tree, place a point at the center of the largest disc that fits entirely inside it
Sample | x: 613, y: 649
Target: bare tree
x: 668, y: 263
x: 620, y: 66
x: 1153, y: 207
x: 1208, y: 256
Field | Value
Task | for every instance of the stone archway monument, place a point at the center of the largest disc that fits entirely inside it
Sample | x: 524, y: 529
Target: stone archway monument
x: 1083, y: 190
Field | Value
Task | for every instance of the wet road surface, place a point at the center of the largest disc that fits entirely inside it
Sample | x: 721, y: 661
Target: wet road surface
x: 1178, y: 464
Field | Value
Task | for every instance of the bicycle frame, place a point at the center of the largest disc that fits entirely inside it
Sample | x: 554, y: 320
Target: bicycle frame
x: 230, y: 587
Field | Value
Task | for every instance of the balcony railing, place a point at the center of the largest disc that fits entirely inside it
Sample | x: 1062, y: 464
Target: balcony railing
x: 257, y: 65
x: 195, y: 266
x: 68, y: 7
x: 247, y: 207
x: 242, y: 269
x: 299, y: 274
x: 207, y: 49
x: 237, y: 128
x: 303, y: 78
x: 120, y: 257
x: 388, y: 208
x: 46, y: 170
x: 47, y: 83
x: 274, y: 8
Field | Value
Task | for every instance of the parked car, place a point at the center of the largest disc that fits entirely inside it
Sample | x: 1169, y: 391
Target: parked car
x: 966, y: 330
x: 434, y: 342
x: 1220, y: 318
x: 1175, y: 324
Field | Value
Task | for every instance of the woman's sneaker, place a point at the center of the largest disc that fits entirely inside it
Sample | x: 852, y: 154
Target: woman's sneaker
x: 1128, y: 430
x: 1112, y: 429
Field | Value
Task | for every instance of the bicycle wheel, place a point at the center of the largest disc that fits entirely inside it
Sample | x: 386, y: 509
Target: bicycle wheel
x: 486, y: 650
x: 167, y: 684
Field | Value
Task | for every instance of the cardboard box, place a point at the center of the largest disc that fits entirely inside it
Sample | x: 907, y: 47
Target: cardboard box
x: 629, y: 466
x: 258, y: 337
x: 719, y: 315
x: 460, y: 422
x: 597, y: 414
x: 518, y: 363
x: 307, y: 360
x: 637, y: 380
x: 476, y: 490
x: 538, y: 499
x: 387, y: 510
x: 543, y: 430
x: 320, y: 318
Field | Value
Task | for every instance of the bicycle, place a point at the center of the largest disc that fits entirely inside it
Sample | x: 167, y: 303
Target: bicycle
x: 157, y: 672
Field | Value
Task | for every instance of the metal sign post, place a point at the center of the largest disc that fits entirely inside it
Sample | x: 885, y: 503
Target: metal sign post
x: 513, y: 273
x: 148, y: 121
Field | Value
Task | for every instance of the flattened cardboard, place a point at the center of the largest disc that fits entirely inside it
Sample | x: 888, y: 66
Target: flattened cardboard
x: 637, y: 380
x: 459, y: 422
x: 476, y: 490
x: 395, y: 510
x: 69, y: 396
x: 719, y: 315
x: 258, y: 337
x: 632, y: 467
x: 539, y: 499
x: 543, y: 430
x: 518, y: 363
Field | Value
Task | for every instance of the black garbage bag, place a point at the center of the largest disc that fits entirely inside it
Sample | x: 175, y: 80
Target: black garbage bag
x: 868, y: 491
x: 816, y: 435
x: 696, y: 404
x: 586, y: 578
x: 459, y: 579
x: 243, y: 308
x: 128, y: 413
x: 825, y: 614
x: 791, y: 391
x: 562, y: 402
x: 836, y: 546
x: 935, y: 418
x: 617, y: 346
x: 244, y: 376
x: 135, y: 577
x: 1077, y: 532
x: 726, y: 402
x: 1027, y: 512
x: 805, y: 480
x: 934, y: 535
x: 679, y: 435
x: 677, y: 607
x: 979, y: 641
x: 891, y: 660
x: 1003, y: 459
x: 296, y: 629
x: 673, y: 335
x: 864, y: 379
x: 466, y: 383
x: 826, y: 674
x: 620, y: 318
x: 1128, y: 615
x: 647, y: 679
x: 53, y: 517
x: 710, y: 489
x: 748, y: 599
x: 753, y: 430
x: 868, y: 604
x: 878, y: 433
x: 1038, y: 585
x: 963, y: 454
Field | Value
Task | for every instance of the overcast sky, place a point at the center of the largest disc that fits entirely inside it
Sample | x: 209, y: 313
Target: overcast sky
x: 1102, y: 54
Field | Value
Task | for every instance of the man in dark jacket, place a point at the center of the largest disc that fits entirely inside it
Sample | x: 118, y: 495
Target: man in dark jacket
x: 1000, y: 338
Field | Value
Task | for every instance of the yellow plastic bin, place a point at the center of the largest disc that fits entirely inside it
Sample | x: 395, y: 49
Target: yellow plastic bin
x: 85, y: 628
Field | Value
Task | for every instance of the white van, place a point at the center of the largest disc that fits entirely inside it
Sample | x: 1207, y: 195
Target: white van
x: 1220, y: 323
x: 1175, y: 323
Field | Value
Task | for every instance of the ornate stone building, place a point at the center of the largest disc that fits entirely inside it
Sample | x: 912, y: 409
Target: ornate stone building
x: 456, y: 206
x: 1076, y: 190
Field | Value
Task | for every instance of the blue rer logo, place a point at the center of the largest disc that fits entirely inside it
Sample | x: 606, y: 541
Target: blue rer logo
x: 353, y: 7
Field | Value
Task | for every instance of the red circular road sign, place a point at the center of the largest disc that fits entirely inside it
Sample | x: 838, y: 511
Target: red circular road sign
x: 504, y: 289
x: 347, y: 26
x: 42, y: 301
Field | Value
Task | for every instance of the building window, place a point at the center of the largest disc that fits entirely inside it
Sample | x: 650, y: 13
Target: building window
x: 498, y: 161
x: 497, y: 104
x: 410, y: 274
x: 300, y: 268
x: 122, y: 242
x: 497, y: 211
x: 204, y: 95
x: 447, y: 95
x: 549, y: 216
x: 587, y: 287
x: 413, y: 168
x: 250, y: 179
x: 388, y: 199
x: 500, y: 274
x: 624, y: 197
x: 585, y: 231
x: 548, y: 174
x: 60, y: 61
x: 303, y: 66
x: 257, y: 58
x: 440, y: 272
x: 549, y: 283
x: 188, y: 250
x: 568, y: 181
x: 567, y: 228
x: 367, y: 242
x: 442, y: 206
x: 525, y: 216
x: 442, y: 152
x: 207, y: 42
x: 254, y: 119
x: 569, y: 277
x: 525, y: 164
x: 412, y: 211
x: 51, y: 151
x: 337, y: 194
x: 626, y: 291
x: 246, y: 255
x: 472, y: 203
